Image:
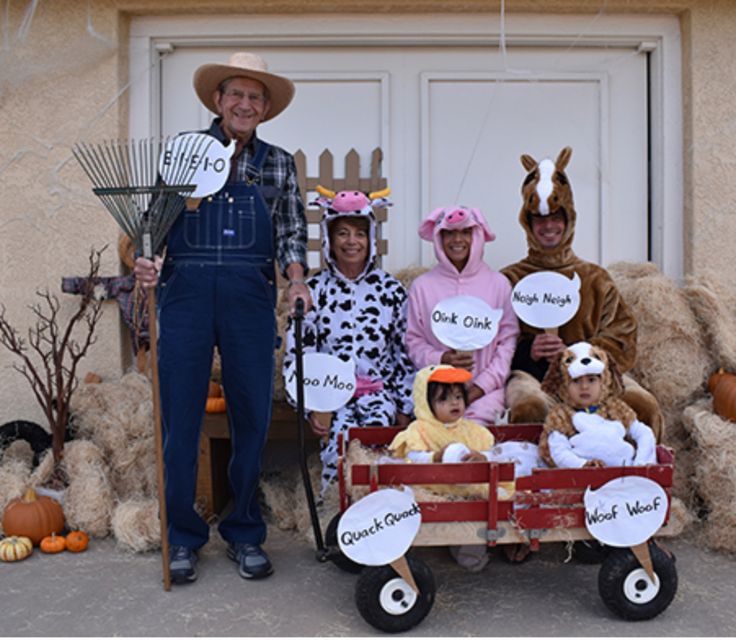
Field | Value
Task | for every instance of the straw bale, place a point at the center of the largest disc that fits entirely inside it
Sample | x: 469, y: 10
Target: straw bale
x: 279, y: 499
x: 136, y: 526
x: 680, y: 517
x: 19, y: 450
x: 672, y: 360
x: 43, y: 472
x: 88, y: 501
x: 719, y: 529
x: 713, y: 303
x: 133, y: 469
x: 407, y: 275
x: 14, y: 480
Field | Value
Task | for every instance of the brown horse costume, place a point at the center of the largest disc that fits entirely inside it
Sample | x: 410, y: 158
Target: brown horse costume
x: 603, y: 319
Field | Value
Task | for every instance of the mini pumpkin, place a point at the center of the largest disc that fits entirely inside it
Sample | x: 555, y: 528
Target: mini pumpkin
x: 33, y: 516
x: 53, y: 544
x: 215, y: 390
x: 77, y: 541
x: 15, y: 548
x: 215, y: 405
x: 724, y: 394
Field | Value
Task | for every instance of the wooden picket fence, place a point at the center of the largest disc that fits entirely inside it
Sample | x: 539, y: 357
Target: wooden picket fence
x: 351, y: 181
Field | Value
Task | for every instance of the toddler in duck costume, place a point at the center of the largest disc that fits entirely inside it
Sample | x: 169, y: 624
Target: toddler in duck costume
x: 591, y: 426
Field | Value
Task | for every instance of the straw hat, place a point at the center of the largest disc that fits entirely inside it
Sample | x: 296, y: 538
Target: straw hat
x: 243, y: 65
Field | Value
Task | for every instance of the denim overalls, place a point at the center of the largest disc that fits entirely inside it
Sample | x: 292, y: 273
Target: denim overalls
x: 218, y: 288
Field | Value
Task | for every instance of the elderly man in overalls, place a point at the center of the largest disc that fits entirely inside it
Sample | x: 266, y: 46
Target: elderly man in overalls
x: 217, y: 288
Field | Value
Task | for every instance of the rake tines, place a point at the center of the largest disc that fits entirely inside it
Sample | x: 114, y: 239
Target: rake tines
x: 127, y: 178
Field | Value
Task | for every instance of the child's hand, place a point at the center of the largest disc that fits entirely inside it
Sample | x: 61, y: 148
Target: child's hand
x: 474, y: 456
x: 594, y: 463
x: 318, y: 428
x: 458, y: 359
x: 437, y: 455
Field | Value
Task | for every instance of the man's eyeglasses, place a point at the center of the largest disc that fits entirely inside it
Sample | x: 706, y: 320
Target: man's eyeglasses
x: 238, y: 95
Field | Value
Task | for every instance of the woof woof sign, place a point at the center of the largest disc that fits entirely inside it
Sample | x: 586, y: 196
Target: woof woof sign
x: 626, y: 511
x: 465, y: 322
x: 379, y: 528
x: 208, y: 154
x: 546, y: 299
x: 328, y: 381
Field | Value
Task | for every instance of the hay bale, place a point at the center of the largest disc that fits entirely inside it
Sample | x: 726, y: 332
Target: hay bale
x: 407, y: 275
x: 133, y: 470
x: 712, y: 300
x: 136, y: 526
x: 88, y: 501
x: 672, y: 360
x: 279, y: 498
x: 14, y: 480
x: 19, y: 450
x: 680, y: 517
x: 43, y: 472
x: 715, y: 473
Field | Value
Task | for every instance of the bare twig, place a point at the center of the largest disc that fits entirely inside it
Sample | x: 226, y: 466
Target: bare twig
x: 49, y: 358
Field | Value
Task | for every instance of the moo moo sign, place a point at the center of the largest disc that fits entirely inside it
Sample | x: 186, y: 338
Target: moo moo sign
x: 328, y: 381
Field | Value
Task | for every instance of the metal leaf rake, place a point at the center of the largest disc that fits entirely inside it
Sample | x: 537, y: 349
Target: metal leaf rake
x: 145, y: 201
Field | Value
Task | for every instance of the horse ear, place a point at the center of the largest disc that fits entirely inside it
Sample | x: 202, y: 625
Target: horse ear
x: 563, y: 158
x: 528, y: 162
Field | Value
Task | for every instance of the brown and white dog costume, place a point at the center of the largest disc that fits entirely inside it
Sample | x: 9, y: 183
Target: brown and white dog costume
x: 608, y: 431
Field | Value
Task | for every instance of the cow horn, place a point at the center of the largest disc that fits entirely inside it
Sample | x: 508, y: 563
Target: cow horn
x: 325, y: 192
x: 379, y: 194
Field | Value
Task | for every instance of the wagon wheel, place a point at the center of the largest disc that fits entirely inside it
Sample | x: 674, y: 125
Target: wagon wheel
x: 626, y: 589
x: 590, y: 551
x: 336, y: 555
x: 388, y: 603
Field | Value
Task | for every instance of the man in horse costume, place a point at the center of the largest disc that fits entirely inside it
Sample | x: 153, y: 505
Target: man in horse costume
x: 603, y: 319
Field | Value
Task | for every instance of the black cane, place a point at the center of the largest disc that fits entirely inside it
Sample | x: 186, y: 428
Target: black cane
x: 298, y: 317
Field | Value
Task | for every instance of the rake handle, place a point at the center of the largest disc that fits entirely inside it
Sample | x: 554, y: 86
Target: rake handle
x: 159, y: 438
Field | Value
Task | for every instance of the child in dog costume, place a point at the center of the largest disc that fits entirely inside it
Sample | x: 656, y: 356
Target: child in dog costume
x: 466, y: 276
x: 359, y: 317
x: 603, y: 319
x: 591, y: 426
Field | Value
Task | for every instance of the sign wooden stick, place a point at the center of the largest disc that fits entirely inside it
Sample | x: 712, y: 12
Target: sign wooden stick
x: 641, y: 551
x: 401, y: 566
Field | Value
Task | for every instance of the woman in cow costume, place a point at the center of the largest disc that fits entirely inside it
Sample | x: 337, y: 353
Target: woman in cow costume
x: 359, y: 314
x: 459, y: 235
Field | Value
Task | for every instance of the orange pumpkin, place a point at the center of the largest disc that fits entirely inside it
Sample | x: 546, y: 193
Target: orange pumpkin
x: 33, y: 516
x: 724, y: 395
x: 77, y: 541
x: 215, y: 405
x: 215, y: 390
x: 716, y: 378
x: 53, y: 544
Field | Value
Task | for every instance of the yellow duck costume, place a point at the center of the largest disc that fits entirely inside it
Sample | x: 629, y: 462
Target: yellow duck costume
x: 426, y: 433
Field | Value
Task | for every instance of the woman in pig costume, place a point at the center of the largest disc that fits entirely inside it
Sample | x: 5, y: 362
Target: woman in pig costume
x: 359, y: 314
x: 458, y: 234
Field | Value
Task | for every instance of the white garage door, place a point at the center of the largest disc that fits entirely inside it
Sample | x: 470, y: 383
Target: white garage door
x: 452, y: 122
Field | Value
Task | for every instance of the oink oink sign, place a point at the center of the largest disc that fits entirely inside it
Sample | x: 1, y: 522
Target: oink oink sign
x: 465, y: 323
x: 328, y: 381
x: 546, y: 299
x: 626, y: 511
x: 379, y: 528
x: 208, y: 154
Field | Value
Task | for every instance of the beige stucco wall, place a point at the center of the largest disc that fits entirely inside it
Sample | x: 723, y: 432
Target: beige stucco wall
x: 62, y: 79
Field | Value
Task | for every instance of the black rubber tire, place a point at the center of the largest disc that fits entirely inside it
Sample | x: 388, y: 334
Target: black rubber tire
x: 378, y: 585
x: 590, y: 551
x: 337, y: 557
x: 619, y: 588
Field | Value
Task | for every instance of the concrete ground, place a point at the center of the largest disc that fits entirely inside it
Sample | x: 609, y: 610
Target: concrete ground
x: 106, y: 592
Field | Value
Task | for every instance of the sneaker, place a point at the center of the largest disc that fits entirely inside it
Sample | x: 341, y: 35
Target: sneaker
x: 253, y: 561
x: 182, y: 564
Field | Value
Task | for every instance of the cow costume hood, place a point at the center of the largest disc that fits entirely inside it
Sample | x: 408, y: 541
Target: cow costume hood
x: 457, y: 217
x: 349, y: 204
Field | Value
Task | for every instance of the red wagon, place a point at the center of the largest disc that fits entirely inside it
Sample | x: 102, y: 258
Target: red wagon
x: 546, y: 506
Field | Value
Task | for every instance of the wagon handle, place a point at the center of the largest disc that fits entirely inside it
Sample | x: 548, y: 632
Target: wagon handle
x: 319, y: 541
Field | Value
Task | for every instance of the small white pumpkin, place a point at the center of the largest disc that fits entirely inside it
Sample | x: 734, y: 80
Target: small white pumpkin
x: 15, y: 548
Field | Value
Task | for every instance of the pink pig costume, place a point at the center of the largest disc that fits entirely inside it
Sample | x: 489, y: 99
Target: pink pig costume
x: 491, y: 363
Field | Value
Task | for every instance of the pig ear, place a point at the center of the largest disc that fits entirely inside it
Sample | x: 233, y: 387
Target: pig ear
x: 426, y: 229
x: 488, y: 235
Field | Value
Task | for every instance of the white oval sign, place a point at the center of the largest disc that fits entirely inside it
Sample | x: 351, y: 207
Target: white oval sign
x: 328, y: 381
x: 379, y: 528
x: 189, y: 150
x: 465, y: 322
x: 626, y: 511
x: 546, y: 299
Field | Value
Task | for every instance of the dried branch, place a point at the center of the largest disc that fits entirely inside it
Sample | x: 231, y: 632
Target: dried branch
x: 49, y: 359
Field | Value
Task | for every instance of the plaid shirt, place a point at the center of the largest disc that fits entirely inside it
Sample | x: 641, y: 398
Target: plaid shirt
x: 281, y: 193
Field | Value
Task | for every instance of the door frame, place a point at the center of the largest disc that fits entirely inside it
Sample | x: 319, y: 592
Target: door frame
x: 658, y: 36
